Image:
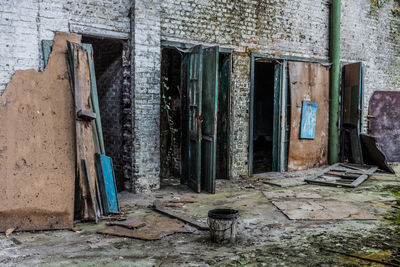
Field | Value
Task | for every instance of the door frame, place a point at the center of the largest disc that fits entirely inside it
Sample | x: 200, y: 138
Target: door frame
x: 281, y: 135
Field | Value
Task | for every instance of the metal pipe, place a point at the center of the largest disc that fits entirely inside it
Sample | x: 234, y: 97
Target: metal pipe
x: 334, y: 81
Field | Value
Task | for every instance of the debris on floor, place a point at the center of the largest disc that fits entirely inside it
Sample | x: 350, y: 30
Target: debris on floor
x: 317, y: 209
x: 343, y: 175
x: 157, y: 206
x: 154, y: 228
x: 130, y: 223
x: 290, y: 194
x: 372, y: 154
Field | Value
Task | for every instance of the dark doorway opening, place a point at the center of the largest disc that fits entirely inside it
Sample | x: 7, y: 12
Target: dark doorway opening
x: 107, y: 55
x: 171, y: 117
x: 263, y: 117
x: 174, y: 119
x: 224, y: 110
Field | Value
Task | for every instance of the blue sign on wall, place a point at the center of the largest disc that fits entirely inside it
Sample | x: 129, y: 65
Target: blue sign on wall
x: 308, y: 120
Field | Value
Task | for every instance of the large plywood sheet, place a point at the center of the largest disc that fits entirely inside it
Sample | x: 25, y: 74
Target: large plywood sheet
x: 308, y: 81
x: 37, y: 146
x: 384, y: 124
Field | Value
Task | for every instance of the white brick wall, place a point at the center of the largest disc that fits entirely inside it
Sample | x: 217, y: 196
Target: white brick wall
x: 24, y: 23
x: 290, y: 27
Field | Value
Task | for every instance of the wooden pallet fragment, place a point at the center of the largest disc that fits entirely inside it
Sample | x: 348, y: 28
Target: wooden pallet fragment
x: 343, y: 175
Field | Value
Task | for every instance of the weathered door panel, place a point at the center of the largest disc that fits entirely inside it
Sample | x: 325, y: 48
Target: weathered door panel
x: 277, y: 121
x: 185, y: 117
x: 223, y: 123
x: 308, y: 81
x: 384, y: 123
x: 352, y: 93
x: 209, y: 117
x: 194, y: 93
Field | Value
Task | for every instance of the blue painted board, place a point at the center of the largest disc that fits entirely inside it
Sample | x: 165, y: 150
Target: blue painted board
x: 107, y: 184
x: 308, y: 120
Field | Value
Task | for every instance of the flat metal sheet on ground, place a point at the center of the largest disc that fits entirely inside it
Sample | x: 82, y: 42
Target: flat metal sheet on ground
x: 321, y: 210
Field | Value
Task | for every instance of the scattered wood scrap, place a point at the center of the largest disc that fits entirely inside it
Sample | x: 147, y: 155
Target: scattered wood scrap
x: 130, y: 224
x: 155, y: 228
x: 343, y: 175
x: 157, y: 206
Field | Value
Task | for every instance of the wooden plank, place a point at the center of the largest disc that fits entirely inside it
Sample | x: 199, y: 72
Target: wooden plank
x: 92, y: 189
x: 86, y: 115
x: 94, y: 96
x: 158, y: 207
x: 85, y: 141
x: 107, y: 184
x: 348, y: 176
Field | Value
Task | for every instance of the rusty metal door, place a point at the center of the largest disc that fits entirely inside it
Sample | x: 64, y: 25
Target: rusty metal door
x: 308, y: 81
x: 384, y: 123
x: 194, y: 109
x: 209, y: 118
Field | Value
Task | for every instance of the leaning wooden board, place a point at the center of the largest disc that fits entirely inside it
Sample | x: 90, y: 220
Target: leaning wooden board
x: 37, y: 158
x: 85, y: 143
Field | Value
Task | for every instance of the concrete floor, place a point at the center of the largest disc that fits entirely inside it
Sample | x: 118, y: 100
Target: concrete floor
x: 266, y: 236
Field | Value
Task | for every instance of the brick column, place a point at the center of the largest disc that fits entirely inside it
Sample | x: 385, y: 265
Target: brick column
x: 146, y: 72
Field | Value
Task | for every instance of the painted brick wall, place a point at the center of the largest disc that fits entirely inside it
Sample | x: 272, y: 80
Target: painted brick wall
x: 299, y: 28
x: 24, y: 23
x: 146, y: 73
x: 291, y: 27
x: 372, y: 36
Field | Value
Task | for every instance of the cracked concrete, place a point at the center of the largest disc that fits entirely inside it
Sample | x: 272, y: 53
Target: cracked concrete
x: 266, y: 237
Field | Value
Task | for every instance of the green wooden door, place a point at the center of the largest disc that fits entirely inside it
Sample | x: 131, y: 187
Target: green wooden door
x: 194, y: 109
x: 209, y: 118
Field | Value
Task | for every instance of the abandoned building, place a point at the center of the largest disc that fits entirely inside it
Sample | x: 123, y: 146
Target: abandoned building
x: 194, y: 91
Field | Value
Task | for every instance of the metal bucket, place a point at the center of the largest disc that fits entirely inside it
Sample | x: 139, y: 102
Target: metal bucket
x: 223, y: 225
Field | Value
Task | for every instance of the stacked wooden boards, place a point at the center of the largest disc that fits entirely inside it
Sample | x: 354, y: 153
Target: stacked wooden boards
x: 95, y: 176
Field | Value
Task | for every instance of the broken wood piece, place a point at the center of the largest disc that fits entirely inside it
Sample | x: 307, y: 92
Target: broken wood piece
x: 373, y: 155
x: 130, y: 224
x: 16, y: 241
x: 155, y: 228
x: 323, y: 179
x: 86, y: 115
x: 10, y: 231
x: 269, y: 183
x: 91, y: 190
x: 75, y: 229
x: 175, y: 204
x: 158, y: 207
x: 85, y: 141
x: 182, y: 201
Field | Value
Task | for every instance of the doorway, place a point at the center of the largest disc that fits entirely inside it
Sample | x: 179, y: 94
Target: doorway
x: 195, y: 144
x: 263, y: 128
x: 107, y: 54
